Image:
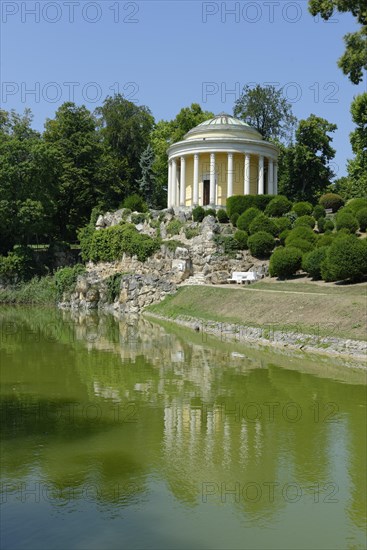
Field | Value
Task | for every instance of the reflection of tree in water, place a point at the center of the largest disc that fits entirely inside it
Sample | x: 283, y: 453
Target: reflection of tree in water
x: 201, y: 415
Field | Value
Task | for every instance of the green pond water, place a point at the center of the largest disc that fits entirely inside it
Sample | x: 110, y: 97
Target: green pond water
x: 142, y: 435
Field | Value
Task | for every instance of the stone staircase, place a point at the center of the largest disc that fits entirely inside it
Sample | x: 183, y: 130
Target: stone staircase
x: 196, y: 279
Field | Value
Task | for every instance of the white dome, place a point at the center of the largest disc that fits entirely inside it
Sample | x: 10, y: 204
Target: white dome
x: 223, y: 125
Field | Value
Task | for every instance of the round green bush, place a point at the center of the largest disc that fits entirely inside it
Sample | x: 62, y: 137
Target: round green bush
x: 328, y: 225
x: 285, y: 262
x: 305, y: 220
x: 303, y: 232
x: 302, y: 208
x: 331, y: 200
x: 241, y: 237
x: 263, y: 223
x: 347, y: 221
x: 321, y: 225
x: 283, y: 223
x: 222, y: 216
x: 244, y: 220
x: 346, y: 259
x: 324, y: 240
x: 261, y: 244
x: 198, y: 214
x: 354, y: 205
x: 301, y: 244
x: 239, y: 203
x: 210, y: 212
x: 283, y: 235
x: 234, y: 219
x: 278, y: 206
x: 362, y: 218
x: 135, y: 203
x: 319, y: 212
x: 311, y: 262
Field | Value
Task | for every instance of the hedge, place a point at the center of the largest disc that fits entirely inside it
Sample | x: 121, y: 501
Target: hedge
x: 346, y: 259
x: 261, y: 244
x: 278, y: 206
x: 263, y: 223
x: 244, y: 220
x: 285, y: 262
x: 240, y: 203
x: 302, y: 208
x: 311, y: 262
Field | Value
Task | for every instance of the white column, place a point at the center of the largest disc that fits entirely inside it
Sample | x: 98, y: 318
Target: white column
x: 260, y: 183
x: 247, y: 175
x: 230, y: 175
x: 183, y: 182
x: 174, y: 183
x: 196, y: 180
x: 275, y: 179
x: 169, y: 186
x: 212, y: 193
x: 270, y: 177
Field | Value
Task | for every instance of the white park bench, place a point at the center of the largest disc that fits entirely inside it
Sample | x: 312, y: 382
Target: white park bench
x: 240, y: 277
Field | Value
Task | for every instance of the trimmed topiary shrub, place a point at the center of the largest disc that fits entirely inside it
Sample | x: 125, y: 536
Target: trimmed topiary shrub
x: 261, y: 244
x: 234, y: 219
x: 262, y: 201
x: 321, y: 225
x: 346, y: 259
x: 354, y: 205
x: 305, y: 220
x: 299, y: 243
x: 210, y: 212
x: 319, y: 212
x: 362, y: 218
x: 331, y: 200
x: 135, y: 203
x: 244, y: 220
x: 311, y: 262
x: 285, y: 262
x: 278, y: 206
x: 345, y: 220
x: 238, y: 204
x: 303, y: 232
x: 241, y: 237
x: 302, y: 208
x: 325, y: 240
x: 198, y: 214
x: 222, y: 216
x: 329, y: 225
x: 282, y: 223
x: 283, y: 235
x: 263, y: 223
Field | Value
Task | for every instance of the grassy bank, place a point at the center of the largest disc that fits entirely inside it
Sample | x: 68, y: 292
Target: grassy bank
x: 38, y: 291
x: 290, y: 307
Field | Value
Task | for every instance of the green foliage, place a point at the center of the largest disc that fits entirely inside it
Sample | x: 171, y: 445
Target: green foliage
x: 17, y: 265
x: 263, y: 223
x: 210, y: 212
x: 261, y: 244
x: 228, y: 244
x: 302, y: 232
x: 65, y: 279
x: 283, y: 223
x: 262, y: 201
x: 285, y: 262
x: 147, y: 180
x: 357, y: 167
x: 324, y: 240
x: 305, y: 220
x: 283, y: 235
x: 331, y: 200
x: 198, y: 214
x: 300, y: 244
x: 222, y: 216
x: 319, y: 212
x: 244, y: 220
x: 108, y: 245
x: 354, y: 205
x: 311, y: 262
x: 278, y: 206
x: 241, y: 237
x: 173, y: 244
x: 138, y: 217
x: 191, y: 232
x: 174, y: 227
x: 37, y: 291
x: 113, y: 287
x: 328, y: 225
x: 302, y: 208
x: 267, y: 110
x: 362, y: 218
x: 237, y: 204
x: 135, y: 203
x: 347, y: 221
x: 234, y: 219
x: 346, y: 259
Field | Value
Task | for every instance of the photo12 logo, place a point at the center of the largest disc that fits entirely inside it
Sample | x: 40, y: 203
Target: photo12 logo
x: 70, y: 12
x: 58, y: 92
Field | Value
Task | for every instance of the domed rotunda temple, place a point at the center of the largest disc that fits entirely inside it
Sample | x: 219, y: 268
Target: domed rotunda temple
x: 219, y: 158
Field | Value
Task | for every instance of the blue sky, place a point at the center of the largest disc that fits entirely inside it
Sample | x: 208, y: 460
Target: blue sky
x: 167, y: 55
